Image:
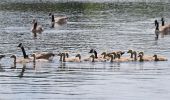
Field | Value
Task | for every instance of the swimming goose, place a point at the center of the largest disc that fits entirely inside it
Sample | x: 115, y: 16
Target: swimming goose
x: 36, y: 28
x: 59, y: 20
x: 159, y: 58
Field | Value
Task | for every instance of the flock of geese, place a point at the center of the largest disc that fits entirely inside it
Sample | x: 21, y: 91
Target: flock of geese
x: 114, y: 56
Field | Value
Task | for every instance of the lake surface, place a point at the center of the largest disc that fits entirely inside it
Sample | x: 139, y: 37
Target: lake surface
x: 103, y: 25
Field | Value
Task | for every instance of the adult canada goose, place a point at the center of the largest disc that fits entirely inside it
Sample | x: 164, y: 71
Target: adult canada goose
x: 159, y: 58
x: 23, y: 50
x: 36, y: 28
x: 59, y: 20
x: 97, y: 59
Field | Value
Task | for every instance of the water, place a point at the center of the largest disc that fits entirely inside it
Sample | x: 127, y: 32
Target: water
x: 114, y: 25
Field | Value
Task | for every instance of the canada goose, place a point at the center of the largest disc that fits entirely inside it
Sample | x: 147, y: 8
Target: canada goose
x: 59, y: 20
x: 159, y: 58
x: 36, y: 28
x: 21, y: 60
x: 23, y: 50
x: 97, y: 59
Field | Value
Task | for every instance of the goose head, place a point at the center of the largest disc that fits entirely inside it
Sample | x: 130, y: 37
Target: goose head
x: 79, y: 56
x: 13, y: 56
x: 20, y: 45
x: 155, y: 57
x: 141, y: 53
x: 91, y: 51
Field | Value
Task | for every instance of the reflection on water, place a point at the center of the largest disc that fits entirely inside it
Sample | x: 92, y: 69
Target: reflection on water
x: 113, y: 25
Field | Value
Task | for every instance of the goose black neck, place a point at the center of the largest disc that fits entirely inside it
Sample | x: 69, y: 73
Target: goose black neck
x: 35, y: 25
x: 52, y: 18
x: 95, y: 54
x: 24, y: 53
x: 163, y: 22
x: 157, y: 26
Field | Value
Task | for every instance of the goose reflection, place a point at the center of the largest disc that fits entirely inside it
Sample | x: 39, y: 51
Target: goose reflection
x: 22, y: 71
